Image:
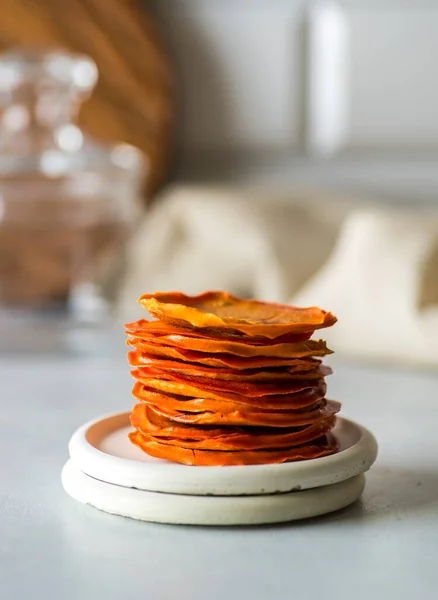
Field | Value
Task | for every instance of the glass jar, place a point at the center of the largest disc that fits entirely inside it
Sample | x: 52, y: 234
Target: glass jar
x: 67, y: 202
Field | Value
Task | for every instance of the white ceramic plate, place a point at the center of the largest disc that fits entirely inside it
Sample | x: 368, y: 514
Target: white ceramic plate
x: 102, y: 450
x: 209, y: 510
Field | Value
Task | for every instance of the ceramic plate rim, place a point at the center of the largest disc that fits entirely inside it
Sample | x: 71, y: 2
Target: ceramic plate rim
x: 221, y: 481
x: 209, y: 510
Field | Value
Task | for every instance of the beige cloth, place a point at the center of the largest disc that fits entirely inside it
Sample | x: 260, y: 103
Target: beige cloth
x: 376, y: 269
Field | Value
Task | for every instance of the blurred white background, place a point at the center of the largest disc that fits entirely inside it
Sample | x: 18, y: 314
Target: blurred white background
x: 264, y: 84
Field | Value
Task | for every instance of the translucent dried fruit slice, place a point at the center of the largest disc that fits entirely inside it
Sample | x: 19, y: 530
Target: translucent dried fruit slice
x: 238, y: 439
x: 142, y: 328
x: 215, y: 346
x: 216, y: 360
x: 220, y: 310
x: 236, y: 419
x: 228, y: 401
x: 161, y: 420
x: 306, y: 349
x: 158, y: 421
x: 305, y: 369
x: 207, y: 385
x: 173, y: 386
x: 323, y: 446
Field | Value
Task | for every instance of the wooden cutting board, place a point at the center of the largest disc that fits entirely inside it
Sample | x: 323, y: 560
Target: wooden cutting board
x: 133, y: 101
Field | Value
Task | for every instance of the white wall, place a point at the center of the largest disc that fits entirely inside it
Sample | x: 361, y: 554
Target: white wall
x: 286, y: 74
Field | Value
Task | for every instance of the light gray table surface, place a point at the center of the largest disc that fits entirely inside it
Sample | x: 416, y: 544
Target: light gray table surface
x: 385, y: 546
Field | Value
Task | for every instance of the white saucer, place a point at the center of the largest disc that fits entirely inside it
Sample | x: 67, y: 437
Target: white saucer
x: 209, y: 510
x: 102, y: 450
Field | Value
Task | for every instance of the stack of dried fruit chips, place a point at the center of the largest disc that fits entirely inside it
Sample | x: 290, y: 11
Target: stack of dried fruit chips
x: 225, y: 381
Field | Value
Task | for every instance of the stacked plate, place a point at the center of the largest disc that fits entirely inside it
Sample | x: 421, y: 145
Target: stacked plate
x: 106, y: 471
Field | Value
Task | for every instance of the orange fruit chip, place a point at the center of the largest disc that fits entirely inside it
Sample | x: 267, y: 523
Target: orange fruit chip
x: 327, y: 444
x: 168, y: 417
x: 212, y: 360
x: 191, y: 390
x: 235, y: 418
x: 214, y: 346
x: 206, y: 385
x: 221, y: 310
x: 307, y: 349
x: 231, y: 438
x: 151, y: 393
x: 144, y: 328
x: 304, y: 369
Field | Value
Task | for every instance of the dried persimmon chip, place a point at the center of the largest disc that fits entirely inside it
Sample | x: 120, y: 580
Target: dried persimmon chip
x: 213, y: 360
x: 189, y: 456
x: 304, y: 369
x: 221, y: 310
x: 207, y: 385
x: 144, y: 327
x: 304, y: 349
x: 166, y: 419
x: 147, y: 393
x: 167, y: 385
